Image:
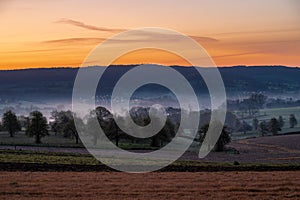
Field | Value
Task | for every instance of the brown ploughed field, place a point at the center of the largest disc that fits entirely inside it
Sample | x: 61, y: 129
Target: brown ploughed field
x: 157, y: 185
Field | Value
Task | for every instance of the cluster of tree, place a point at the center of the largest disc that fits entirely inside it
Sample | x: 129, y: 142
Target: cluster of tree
x: 62, y: 123
x: 223, y: 139
x: 139, y: 116
x: 273, y: 126
x: 36, y: 126
x: 250, y: 106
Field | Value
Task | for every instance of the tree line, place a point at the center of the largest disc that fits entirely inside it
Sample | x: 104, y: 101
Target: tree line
x: 272, y: 126
x: 36, y: 125
x: 62, y: 123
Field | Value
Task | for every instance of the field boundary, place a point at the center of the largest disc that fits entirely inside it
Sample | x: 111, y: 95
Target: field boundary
x: 11, y: 166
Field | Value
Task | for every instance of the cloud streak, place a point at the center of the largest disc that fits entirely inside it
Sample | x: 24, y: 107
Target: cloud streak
x: 104, y: 29
x: 32, y: 51
x: 85, y: 41
x: 237, y: 54
x: 204, y: 39
x: 95, y: 41
x: 75, y: 40
x: 87, y: 26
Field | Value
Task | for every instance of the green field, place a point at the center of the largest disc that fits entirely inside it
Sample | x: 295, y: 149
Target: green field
x: 20, y: 139
x: 52, y: 140
x: 19, y: 156
x: 38, y: 157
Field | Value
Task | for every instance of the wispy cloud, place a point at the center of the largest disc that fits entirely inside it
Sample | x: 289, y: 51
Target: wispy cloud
x: 75, y: 40
x: 87, y: 26
x: 204, y: 39
x: 85, y: 41
x: 237, y: 54
x: 32, y: 51
x: 95, y: 41
x: 155, y: 36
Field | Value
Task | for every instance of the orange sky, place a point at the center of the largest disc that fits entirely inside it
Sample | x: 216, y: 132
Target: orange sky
x: 62, y: 33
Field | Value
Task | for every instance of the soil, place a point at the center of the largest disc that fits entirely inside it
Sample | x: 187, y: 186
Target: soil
x: 157, y: 185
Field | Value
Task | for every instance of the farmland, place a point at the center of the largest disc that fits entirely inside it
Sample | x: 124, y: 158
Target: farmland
x: 159, y: 185
x: 255, y: 167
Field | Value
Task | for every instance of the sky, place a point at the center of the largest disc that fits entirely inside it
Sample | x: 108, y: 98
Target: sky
x: 61, y: 33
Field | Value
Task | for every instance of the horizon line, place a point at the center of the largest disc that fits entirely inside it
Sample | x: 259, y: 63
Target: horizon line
x: 127, y: 65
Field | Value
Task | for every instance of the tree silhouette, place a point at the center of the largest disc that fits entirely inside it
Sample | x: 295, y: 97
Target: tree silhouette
x: 222, y: 140
x: 11, y: 123
x: 105, y: 119
x: 165, y: 134
x: 293, y: 121
x: 255, y: 124
x: 280, y: 121
x: 38, y: 126
x: 252, y: 104
x: 64, y: 123
x: 274, y: 126
x: 263, y: 128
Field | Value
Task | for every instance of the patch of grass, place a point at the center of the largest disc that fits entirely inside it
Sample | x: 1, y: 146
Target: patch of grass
x: 21, y: 139
x: 188, y: 163
x: 231, y: 164
x: 19, y: 156
x: 46, y: 157
x: 136, y: 146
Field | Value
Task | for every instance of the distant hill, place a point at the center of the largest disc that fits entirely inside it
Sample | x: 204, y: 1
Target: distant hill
x: 56, y: 84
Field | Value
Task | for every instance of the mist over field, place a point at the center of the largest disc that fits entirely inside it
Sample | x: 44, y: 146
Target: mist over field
x: 51, y: 89
x: 201, y: 99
